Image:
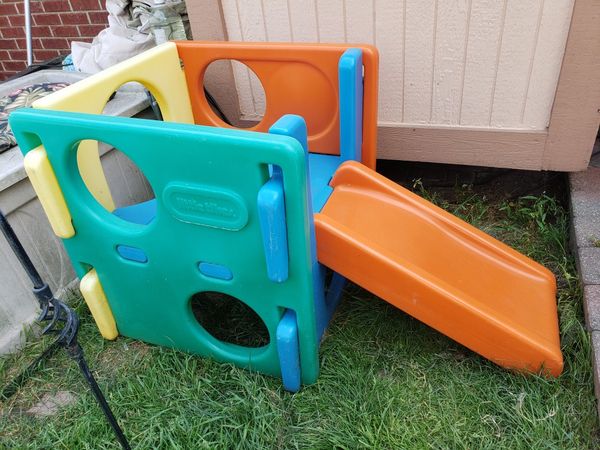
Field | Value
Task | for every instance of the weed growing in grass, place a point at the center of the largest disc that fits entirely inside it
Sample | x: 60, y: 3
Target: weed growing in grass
x: 387, y: 381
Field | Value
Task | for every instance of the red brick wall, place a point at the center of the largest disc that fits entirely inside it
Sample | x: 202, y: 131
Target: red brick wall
x: 54, y: 24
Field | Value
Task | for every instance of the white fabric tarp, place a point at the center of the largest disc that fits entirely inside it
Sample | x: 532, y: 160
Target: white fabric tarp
x: 133, y: 26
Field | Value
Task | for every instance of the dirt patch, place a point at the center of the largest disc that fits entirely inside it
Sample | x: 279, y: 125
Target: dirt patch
x: 495, y: 184
x: 50, y: 404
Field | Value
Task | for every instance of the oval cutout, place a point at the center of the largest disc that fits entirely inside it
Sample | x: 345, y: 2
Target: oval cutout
x: 229, y: 320
x: 230, y: 82
x: 133, y: 98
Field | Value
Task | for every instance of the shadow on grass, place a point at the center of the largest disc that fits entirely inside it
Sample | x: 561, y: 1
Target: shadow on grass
x: 229, y: 319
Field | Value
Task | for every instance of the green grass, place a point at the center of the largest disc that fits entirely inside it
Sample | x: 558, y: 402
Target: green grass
x: 387, y: 381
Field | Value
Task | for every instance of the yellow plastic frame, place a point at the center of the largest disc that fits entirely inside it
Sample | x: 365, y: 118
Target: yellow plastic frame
x: 158, y: 69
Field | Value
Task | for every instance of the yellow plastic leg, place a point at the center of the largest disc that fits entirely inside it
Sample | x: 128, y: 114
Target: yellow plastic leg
x: 94, y: 296
x: 44, y: 182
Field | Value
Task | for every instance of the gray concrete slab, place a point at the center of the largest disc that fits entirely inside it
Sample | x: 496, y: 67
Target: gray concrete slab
x: 586, y: 231
x: 591, y: 306
x: 589, y: 265
x: 596, y: 365
x: 586, y: 181
x: 585, y: 243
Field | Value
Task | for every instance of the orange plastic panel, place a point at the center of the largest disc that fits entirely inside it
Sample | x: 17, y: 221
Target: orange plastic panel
x: 440, y: 270
x: 297, y: 78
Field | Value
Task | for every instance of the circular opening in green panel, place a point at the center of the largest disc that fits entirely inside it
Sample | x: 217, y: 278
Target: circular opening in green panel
x: 230, y: 320
x: 128, y: 186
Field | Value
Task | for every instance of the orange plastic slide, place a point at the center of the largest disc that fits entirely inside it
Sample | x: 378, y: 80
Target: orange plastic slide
x: 441, y: 270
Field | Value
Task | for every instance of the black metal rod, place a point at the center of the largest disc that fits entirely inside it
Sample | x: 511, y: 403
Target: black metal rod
x: 76, y: 352
x: 57, y: 313
x: 20, y: 252
x: 213, y: 103
x: 154, y: 105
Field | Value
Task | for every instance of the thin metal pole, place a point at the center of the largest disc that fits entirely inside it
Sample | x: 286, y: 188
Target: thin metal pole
x: 28, y: 33
x: 57, y: 313
x: 76, y: 354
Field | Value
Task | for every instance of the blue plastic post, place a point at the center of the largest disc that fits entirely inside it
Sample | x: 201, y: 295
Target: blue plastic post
x: 288, y: 348
x: 295, y: 126
x: 271, y: 215
x: 350, y: 77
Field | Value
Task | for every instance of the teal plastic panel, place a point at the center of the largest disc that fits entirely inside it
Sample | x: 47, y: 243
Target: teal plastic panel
x: 206, y: 181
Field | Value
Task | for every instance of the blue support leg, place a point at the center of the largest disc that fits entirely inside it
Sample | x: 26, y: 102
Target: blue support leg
x: 334, y: 294
x: 294, y: 126
x: 289, y: 351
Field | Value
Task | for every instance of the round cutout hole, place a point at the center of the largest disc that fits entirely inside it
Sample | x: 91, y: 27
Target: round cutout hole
x: 229, y: 320
x: 128, y: 186
x: 229, y: 82
x: 133, y: 93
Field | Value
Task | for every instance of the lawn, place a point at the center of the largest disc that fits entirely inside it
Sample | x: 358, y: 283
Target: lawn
x: 387, y: 381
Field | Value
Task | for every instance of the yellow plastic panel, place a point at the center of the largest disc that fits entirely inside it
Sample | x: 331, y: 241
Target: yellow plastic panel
x: 94, y: 296
x: 44, y: 182
x: 159, y: 69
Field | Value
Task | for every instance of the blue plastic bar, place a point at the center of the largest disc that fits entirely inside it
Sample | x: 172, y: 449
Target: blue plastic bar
x: 217, y: 271
x: 271, y: 215
x: 132, y: 253
x: 295, y: 126
x: 350, y: 78
x: 288, y: 349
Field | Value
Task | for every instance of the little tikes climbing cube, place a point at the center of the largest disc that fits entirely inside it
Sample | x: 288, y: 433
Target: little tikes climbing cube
x: 258, y: 214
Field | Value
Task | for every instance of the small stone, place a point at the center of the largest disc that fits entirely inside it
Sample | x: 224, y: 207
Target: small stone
x: 50, y: 404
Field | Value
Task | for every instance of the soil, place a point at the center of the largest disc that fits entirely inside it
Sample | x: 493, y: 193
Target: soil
x: 496, y: 184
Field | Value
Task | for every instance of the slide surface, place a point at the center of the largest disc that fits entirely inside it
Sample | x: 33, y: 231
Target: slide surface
x: 440, y: 270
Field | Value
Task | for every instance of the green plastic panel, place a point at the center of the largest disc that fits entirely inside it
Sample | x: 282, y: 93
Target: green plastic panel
x: 206, y: 181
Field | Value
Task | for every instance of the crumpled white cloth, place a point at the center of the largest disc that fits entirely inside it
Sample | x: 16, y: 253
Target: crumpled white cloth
x: 129, y: 32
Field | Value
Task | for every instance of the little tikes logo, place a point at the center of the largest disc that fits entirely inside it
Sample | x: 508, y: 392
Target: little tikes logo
x: 202, y: 206
x: 206, y: 205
